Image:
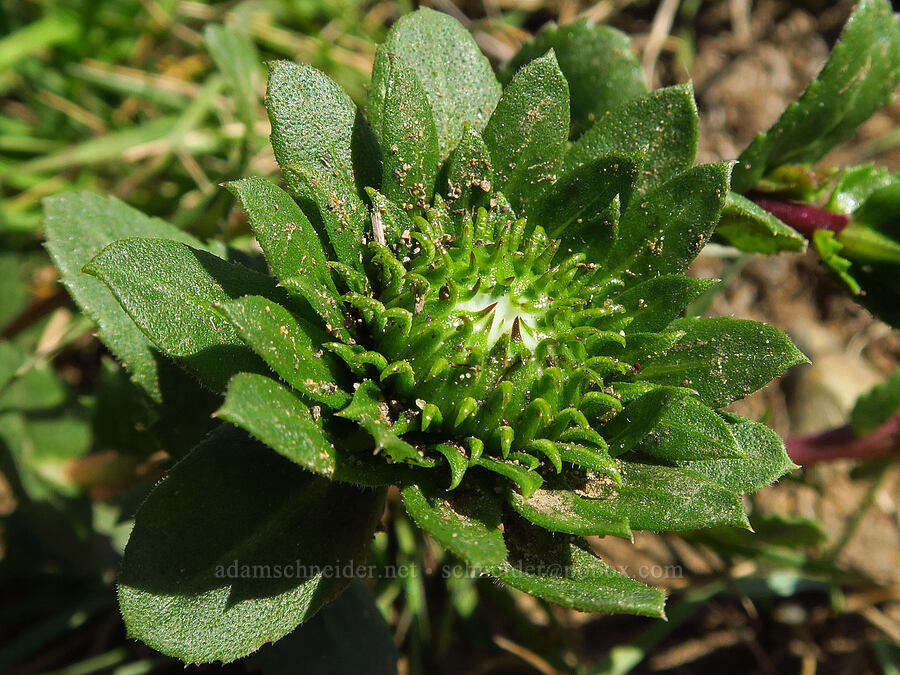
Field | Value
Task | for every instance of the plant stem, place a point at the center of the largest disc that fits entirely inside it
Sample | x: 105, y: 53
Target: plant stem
x: 804, y: 218
x: 843, y: 443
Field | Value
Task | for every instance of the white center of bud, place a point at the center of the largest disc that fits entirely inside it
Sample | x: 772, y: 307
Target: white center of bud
x: 502, y: 317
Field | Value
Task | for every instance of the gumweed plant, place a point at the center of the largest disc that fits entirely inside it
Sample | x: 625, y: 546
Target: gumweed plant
x: 473, y: 290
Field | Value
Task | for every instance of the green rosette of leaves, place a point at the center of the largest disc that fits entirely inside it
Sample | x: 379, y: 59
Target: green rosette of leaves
x: 475, y: 295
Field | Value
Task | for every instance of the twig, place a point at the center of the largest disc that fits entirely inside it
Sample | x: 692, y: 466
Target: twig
x: 659, y: 31
x: 74, y: 111
x: 601, y: 11
x: 535, y: 661
x: 740, y: 20
x: 888, y: 625
x: 34, y: 311
x: 843, y: 443
x: 804, y: 218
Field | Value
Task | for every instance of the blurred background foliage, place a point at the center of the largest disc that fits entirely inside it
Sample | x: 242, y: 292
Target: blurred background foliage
x: 159, y: 101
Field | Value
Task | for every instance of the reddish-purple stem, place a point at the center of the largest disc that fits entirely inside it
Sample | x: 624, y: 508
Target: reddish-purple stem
x: 842, y: 443
x: 804, y: 218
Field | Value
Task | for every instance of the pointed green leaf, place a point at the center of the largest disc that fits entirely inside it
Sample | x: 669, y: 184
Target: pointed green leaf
x: 632, y: 424
x: 858, y: 79
x: 593, y: 458
x: 278, y: 418
x: 658, y: 301
x: 723, y: 359
x: 290, y: 346
x: 865, y: 244
x: 283, y: 231
x: 664, y: 231
x: 559, y: 509
x: 312, y: 119
x: 527, y: 480
x: 663, y: 124
x: 322, y: 301
x: 766, y: 460
x: 457, y: 77
x: 370, y: 411
x: 557, y: 569
x: 579, y: 210
x: 170, y: 289
x: 403, y: 122
x: 864, y: 255
x: 456, y: 460
x: 597, y: 62
x: 751, y: 228
x: 470, y: 176
x: 78, y: 226
x: 333, y: 207
x: 235, y: 548
x: 465, y: 521
x: 528, y: 132
x: 314, y: 124
x: 665, y: 498
x: 689, y: 430
x: 789, y: 530
x: 640, y: 345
